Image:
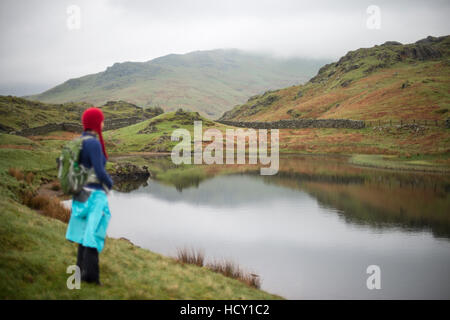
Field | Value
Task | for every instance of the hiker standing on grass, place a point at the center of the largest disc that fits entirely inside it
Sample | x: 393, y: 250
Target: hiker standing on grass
x: 90, y: 211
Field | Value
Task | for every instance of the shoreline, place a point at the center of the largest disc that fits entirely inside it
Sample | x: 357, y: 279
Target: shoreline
x: 377, y: 161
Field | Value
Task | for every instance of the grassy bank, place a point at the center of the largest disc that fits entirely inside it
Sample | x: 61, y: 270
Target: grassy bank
x: 34, y: 256
x: 390, y: 140
x: 417, y: 163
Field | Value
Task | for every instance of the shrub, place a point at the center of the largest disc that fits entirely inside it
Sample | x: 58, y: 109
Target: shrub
x: 26, y: 196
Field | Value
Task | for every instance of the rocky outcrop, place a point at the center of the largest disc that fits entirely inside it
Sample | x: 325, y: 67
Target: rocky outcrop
x: 388, y: 54
x: 421, y: 52
x: 129, y: 171
x: 128, y: 177
x: 298, y: 124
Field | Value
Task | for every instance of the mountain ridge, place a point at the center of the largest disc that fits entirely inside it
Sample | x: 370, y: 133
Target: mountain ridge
x: 388, y: 81
x: 209, y: 81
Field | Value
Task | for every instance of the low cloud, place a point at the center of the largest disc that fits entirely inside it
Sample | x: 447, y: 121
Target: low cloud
x: 39, y: 51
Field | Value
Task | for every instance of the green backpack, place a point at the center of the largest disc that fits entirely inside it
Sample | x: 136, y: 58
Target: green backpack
x: 71, y: 174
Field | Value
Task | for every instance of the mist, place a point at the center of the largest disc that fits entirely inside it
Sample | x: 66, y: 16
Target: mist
x: 41, y: 47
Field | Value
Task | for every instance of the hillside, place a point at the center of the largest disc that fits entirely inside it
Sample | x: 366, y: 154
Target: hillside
x: 391, y: 81
x: 153, y: 135
x: 209, y: 82
x: 18, y: 113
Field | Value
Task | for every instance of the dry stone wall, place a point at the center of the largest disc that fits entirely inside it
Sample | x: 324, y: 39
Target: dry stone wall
x: 298, y: 124
x: 110, y: 124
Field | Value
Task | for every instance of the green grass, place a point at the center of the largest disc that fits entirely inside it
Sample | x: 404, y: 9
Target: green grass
x: 9, y: 139
x: 398, y: 163
x: 123, y: 109
x: 389, y: 140
x: 154, y: 135
x: 41, y: 161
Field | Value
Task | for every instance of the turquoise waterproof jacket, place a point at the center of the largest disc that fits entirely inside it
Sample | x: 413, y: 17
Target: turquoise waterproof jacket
x: 89, y: 221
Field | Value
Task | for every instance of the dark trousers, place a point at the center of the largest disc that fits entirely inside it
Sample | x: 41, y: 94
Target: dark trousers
x: 87, y: 261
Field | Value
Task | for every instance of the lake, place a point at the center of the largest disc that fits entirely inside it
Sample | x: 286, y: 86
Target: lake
x: 309, y: 232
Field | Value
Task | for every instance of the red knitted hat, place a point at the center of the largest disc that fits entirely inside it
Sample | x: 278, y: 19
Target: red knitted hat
x: 92, y: 120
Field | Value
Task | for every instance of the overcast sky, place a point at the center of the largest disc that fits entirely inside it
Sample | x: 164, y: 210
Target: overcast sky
x: 41, y: 45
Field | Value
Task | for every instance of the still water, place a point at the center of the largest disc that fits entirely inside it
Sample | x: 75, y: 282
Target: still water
x: 309, y: 232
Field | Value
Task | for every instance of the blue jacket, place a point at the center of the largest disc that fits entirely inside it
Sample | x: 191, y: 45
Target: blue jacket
x: 89, y: 221
x: 91, y: 155
x: 90, y: 217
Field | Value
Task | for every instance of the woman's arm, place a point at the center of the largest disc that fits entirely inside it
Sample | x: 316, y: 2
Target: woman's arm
x: 94, y: 151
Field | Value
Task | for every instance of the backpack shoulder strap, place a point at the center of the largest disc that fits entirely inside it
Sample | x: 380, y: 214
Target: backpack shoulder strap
x: 86, y: 137
x: 81, y: 139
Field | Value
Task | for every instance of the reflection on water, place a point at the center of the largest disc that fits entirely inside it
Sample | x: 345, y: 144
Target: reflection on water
x: 309, y: 232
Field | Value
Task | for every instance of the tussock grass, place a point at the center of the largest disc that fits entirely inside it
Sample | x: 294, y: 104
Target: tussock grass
x: 29, y: 178
x: 191, y: 256
x: 38, y: 202
x: 50, y: 207
x: 19, y: 175
x: 226, y: 267
x: 16, y: 173
x: 233, y: 270
x: 56, y: 186
x: 56, y: 210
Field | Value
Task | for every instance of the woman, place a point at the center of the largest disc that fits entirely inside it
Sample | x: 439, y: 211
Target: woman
x: 90, y: 212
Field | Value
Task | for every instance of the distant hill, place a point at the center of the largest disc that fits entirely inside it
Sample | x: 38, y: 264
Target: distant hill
x: 388, y: 81
x: 18, y: 113
x: 209, y: 82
